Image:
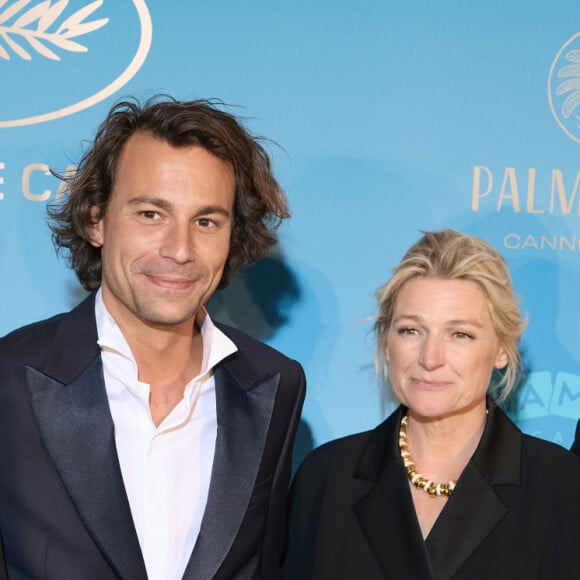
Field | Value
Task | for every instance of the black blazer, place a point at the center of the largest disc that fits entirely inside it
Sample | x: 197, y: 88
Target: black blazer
x: 576, y: 445
x: 64, y: 514
x: 515, y: 513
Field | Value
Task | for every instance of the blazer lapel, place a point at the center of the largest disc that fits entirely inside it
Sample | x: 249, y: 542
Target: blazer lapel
x: 386, y: 514
x: 70, y: 403
x: 243, y: 415
x: 474, y: 509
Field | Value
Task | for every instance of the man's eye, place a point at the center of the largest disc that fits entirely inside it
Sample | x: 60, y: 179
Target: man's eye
x: 206, y: 222
x: 151, y: 214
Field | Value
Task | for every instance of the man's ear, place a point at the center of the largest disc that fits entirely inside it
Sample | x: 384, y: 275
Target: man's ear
x: 94, y: 231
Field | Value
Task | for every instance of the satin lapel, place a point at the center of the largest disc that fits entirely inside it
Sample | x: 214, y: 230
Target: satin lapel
x: 78, y: 431
x: 474, y: 509
x: 469, y: 516
x: 386, y: 514
x: 243, y: 417
x: 388, y: 520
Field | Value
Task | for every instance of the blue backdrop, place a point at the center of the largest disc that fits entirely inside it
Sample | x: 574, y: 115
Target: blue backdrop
x: 390, y: 117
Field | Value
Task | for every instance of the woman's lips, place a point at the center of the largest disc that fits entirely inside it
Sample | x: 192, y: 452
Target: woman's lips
x: 429, y: 383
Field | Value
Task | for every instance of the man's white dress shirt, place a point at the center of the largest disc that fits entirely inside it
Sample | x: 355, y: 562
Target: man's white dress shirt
x: 166, y: 469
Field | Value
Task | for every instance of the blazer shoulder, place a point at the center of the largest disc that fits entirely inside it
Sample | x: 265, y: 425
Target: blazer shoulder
x: 72, y: 333
x: 30, y: 337
x: 333, y: 457
x: 362, y: 455
x: 546, y: 455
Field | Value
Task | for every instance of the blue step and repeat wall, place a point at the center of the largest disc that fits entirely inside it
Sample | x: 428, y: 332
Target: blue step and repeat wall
x: 387, y: 118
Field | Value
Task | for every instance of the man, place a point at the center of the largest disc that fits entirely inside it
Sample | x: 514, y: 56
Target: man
x: 2, y: 565
x: 139, y: 439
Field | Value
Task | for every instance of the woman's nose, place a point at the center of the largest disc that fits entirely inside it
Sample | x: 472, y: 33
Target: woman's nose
x: 432, y: 353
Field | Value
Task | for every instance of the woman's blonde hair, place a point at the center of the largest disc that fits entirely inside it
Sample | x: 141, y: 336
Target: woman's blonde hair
x: 452, y: 255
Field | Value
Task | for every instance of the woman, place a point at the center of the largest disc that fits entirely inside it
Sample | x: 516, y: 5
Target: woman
x: 447, y: 487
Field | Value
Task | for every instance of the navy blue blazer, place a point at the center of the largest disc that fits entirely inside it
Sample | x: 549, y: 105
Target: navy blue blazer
x: 3, y: 572
x: 64, y: 514
x: 515, y: 513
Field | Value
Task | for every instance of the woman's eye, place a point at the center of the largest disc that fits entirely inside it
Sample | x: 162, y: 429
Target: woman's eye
x: 407, y: 330
x: 462, y: 335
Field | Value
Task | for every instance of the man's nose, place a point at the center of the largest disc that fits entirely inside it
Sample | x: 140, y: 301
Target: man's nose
x: 179, y: 243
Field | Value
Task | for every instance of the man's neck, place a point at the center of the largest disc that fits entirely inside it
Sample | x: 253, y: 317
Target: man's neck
x: 167, y: 359
x: 168, y: 365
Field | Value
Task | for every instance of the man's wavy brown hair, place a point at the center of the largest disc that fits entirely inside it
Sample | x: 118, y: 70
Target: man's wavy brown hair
x: 259, y: 206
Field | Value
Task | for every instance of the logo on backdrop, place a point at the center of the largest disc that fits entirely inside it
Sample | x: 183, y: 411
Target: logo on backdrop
x: 546, y: 405
x: 535, y: 212
x: 63, y: 48
x: 564, y: 87
x: 529, y: 192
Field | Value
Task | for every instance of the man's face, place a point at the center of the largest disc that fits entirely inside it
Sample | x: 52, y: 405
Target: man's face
x: 165, y: 236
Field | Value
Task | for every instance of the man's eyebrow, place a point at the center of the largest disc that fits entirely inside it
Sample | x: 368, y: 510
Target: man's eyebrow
x: 155, y: 201
x: 209, y: 209
x: 162, y: 203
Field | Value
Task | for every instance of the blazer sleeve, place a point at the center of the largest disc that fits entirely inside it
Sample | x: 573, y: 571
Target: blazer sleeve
x: 304, y: 503
x: 293, y: 390
x: 575, y: 552
x: 3, y: 572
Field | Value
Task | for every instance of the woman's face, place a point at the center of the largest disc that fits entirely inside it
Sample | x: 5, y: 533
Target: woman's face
x: 442, y: 347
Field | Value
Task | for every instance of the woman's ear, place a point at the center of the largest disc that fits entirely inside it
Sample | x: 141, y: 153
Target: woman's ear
x: 502, y: 359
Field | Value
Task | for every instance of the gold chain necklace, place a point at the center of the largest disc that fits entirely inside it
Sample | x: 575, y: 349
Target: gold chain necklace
x: 420, y: 482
